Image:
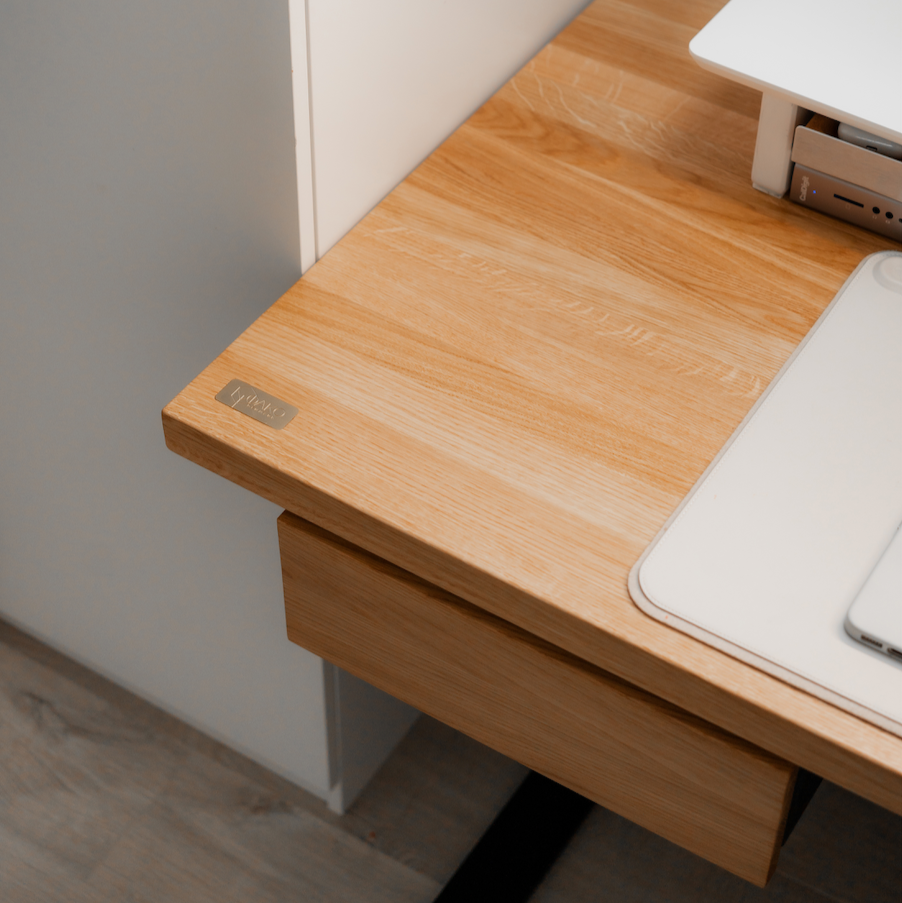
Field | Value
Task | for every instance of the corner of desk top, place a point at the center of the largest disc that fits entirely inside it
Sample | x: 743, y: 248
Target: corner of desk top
x: 174, y: 428
x: 180, y: 432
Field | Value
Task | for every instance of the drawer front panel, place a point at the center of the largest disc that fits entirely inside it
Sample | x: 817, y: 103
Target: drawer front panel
x: 643, y: 758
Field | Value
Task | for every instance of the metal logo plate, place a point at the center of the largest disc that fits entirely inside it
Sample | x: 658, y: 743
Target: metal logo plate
x: 260, y: 405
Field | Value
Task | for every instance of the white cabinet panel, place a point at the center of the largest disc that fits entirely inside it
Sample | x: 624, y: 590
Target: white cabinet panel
x: 391, y: 80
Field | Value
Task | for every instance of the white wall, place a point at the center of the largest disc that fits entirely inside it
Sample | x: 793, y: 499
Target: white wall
x: 148, y: 213
x: 391, y: 80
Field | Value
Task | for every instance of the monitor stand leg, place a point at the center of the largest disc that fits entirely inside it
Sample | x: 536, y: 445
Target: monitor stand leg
x: 772, y: 167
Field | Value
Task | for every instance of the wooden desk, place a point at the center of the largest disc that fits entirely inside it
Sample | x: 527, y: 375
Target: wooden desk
x: 508, y: 375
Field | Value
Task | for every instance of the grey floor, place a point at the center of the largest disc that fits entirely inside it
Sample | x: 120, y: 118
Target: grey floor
x: 103, y: 798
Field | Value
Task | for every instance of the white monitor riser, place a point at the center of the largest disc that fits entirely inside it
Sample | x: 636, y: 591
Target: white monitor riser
x: 836, y: 57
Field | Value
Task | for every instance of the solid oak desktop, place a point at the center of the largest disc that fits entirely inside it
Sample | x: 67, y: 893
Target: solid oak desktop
x: 507, y: 377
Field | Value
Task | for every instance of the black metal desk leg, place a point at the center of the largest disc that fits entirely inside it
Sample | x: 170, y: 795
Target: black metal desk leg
x: 515, y: 853
x: 802, y: 793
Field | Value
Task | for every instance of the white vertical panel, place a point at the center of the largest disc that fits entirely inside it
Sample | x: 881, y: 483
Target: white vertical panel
x: 365, y: 725
x: 297, y: 17
x: 391, y: 80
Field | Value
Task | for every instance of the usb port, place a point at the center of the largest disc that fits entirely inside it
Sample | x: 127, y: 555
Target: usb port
x: 895, y: 653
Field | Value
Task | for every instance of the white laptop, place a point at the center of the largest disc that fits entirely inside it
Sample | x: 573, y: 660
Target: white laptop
x: 875, y: 617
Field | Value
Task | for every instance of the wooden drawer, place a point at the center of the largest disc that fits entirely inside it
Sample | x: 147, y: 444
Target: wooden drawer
x: 669, y: 771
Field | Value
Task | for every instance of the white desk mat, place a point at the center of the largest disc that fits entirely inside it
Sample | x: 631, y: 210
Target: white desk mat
x: 764, y: 556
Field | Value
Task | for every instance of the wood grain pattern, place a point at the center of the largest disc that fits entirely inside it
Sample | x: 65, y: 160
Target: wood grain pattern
x: 664, y: 769
x: 513, y: 369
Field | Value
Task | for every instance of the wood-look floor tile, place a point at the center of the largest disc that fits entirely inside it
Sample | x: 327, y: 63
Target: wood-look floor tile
x: 35, y: 885
x: 251, y: 830
x: 75, y: 772
x: 191, y: 856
